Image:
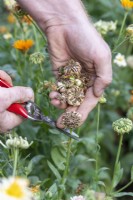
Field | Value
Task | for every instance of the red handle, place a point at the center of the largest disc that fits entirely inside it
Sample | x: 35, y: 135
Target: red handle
x: 15, y: 107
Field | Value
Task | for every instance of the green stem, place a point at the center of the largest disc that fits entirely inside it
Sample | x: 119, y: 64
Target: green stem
x: 16, y: 152
x: 122, y: 27
x: 117, y: 158
x: 96, y: 141
x: 61, y: 191
x: 123, y: 188
x: 38, y: 29
x: 42, y: 72
x: 36, y: 38
x: 113, y: 51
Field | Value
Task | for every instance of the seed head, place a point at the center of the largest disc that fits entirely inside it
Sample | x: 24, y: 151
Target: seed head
x: 71, y: 119
x: 37, y: 58
x: 122, y: 126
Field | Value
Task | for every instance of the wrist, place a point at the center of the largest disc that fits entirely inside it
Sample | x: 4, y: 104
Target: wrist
x: 49, y: 13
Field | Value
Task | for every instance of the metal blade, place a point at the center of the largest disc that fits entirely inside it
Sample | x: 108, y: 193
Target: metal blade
x: 35, y: 114
x: 66, y: 131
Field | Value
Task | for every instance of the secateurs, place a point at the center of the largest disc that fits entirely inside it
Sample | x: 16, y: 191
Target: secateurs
x: 29, y: 110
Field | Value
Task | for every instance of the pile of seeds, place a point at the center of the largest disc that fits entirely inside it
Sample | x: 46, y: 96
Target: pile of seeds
x: 72, y: 83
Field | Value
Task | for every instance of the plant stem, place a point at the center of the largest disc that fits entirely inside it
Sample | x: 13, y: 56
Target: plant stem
x: 15, y: 154
x: 122, y: 27
x: 42, y: 71
x: 96, y: 140
x: 125, y: 186
x: 113, y: 51
x: 61, y: 191
x: 38, y: 29
x: 117, y: 158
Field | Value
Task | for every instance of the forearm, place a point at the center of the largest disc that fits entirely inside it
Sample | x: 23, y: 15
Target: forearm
x: 54, y: 11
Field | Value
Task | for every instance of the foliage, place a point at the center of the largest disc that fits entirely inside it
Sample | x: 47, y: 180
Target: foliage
x: 92, y: 158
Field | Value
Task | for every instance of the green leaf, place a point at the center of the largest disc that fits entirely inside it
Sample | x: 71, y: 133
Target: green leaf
x: 91, y: 160
x: 121, y: 194
x: 132, y: 173
x: 118, y: 175
x: 33, y: 162
x: 53, y: 188
x: 58, y: 158
x: 103, y: 169
x: 101, y: 183
x: 54, y: 170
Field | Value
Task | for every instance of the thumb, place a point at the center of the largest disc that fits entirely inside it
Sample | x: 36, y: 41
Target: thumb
x: 15, y: 94
x: 103, y: 69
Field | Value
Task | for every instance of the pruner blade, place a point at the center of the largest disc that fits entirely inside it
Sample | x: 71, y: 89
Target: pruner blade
x: 35, y: 113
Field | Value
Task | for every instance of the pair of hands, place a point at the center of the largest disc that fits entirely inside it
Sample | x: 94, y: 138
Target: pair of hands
x: 70, y: 34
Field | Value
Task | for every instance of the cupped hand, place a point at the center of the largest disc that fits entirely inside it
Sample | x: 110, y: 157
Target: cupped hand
x: 81, y: 42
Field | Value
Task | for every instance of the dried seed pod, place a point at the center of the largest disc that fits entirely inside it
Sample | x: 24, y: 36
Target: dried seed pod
x: 61, y: 87
x: 62, y: 97
x: 71, y: 119
x: 75, y: 96
x: 72, y: 68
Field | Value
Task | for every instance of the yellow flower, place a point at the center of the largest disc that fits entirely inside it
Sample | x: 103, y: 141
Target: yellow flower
x: 23, y: 45
x: 11, y: 19
x: 15, y: 188
x: 127, y: 3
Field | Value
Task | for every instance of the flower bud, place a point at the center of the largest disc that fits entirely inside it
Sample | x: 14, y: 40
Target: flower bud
x: 18, y: 142
x: 37, y: 58
x: 102, y: 100
x: 123, y: 125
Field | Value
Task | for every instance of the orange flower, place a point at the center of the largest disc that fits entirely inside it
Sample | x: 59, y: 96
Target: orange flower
x: 11, y: 19
x: 3, y: 29
x: 127, y: 3
x: 35, y: 189
x: 23, y: 45
x: 27, y: 19
x: 131, y: 99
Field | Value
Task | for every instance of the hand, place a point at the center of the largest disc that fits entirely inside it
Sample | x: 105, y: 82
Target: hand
x: 70, y: 34
x: 9, y: 96
x: 81, y: 42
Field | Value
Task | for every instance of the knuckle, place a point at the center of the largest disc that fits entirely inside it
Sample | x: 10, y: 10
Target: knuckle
x: 105, y: 54
x: 24, y: 93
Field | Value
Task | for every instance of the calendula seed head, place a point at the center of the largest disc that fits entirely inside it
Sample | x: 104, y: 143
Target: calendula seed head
x: 129, y: 30
x: 71, y: 119
x: 102, y: 100
x: 37, y: 58
x: 75, y: 96
x: 122, y: 126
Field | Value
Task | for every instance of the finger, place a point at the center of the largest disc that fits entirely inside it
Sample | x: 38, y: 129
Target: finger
x: 13, y: 95
x: 9, y: 121
x: 57, y: 49
x: 103, y: 68
x: 6, y: 77
x: 88, y: 104
x: 54, y: 96
x: 59, y: 121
